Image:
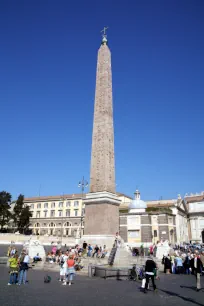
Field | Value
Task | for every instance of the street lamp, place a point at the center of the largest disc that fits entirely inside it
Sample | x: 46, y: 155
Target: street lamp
x: 82, y: 184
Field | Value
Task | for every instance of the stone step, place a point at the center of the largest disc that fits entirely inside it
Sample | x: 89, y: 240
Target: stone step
x: 3, y: 260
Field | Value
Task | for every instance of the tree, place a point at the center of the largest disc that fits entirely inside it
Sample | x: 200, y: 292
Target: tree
x: 5, y: 214
x: 21, y: 215
x: 18, y: 209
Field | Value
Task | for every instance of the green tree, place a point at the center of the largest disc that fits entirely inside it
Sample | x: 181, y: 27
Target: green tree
x: 5, y: 214
x: 21, y: 215
x: 18, y: 210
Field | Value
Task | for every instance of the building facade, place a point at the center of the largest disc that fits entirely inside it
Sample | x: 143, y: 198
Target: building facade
x: 195, y: 206
x: 177, y: 220
x: 61, y: 216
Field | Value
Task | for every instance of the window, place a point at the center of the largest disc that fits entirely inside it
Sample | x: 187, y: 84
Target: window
x: 154, y: 220
x: 32, y: 206
x: 68, y: 213
x: 60, y: 204
x: 68, y: 204
x: 45, y: 205
x: 76, y: 212
x: 38, y: 214
x: 76, y: 203
x: 45, y: 214
x: 37, y: 225
x: 170, y: 221
x: 83, y: 211
x: 134, y: 234
x: 52, y: 224
x: 67, y: 224
x: 53, y: 205
x: 201, y: 222
x: 155, y: 233
x: 44, y: 224
x: 52, y: 213
x: 60, y: 213
x: 38, y: 205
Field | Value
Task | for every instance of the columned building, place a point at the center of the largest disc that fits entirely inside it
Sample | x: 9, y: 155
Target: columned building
x: 59, y: 215
x: 195, y: 206
x: 178, y: 220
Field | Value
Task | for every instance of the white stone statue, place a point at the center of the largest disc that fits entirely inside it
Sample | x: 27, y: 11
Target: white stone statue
x: 34, y: 247
x: 163, y: 249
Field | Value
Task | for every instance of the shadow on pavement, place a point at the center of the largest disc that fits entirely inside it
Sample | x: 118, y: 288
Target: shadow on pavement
x: 181, y: 297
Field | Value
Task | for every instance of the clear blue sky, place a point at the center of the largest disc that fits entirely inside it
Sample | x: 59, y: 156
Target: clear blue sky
x: 47, y: 81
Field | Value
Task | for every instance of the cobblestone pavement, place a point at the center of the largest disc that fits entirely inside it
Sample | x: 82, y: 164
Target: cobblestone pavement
x: 172, y: 290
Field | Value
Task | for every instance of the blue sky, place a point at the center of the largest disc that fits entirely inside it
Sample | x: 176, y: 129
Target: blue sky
x: 47, y: 82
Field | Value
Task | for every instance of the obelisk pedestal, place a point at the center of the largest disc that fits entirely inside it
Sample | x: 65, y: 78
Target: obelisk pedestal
x: 101, y: 218
x: 102, y: 203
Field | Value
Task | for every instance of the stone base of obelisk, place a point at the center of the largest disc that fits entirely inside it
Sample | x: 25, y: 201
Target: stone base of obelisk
x: 101, y: 218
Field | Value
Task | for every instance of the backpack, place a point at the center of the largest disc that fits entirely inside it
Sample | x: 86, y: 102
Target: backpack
x: 47, y: 279
x: 61, y: 261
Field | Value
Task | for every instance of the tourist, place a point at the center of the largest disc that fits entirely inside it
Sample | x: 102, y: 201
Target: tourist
x: 117, y: 243
x: 62, y: 265
x: 13, y: 264
x: 173, y: 265
x: 142, y: 250
x: 70, y: 270
x: 192, y: 264
x: 104, y: 252
x: 9, y: 251
x: 202, y: 259
x: 84, y: 245
x: 186, y: 264
x: 96, y: 249
x: 151, y: 249
x: 197, y: 269
x: 150, y: 268
x: 13, y: 251
x: 23, y: 267
x: 37, y: 258
x: 179, y: 264
x: 167, y: 264
x: 133, y: 273
x: 54, y: 249
x: 90, y: 249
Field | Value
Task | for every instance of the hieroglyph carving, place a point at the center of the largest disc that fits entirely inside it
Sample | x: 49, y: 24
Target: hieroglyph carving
x: 102, y: 159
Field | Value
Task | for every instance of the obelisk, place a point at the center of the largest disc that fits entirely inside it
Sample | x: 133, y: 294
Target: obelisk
x: 102, y: 203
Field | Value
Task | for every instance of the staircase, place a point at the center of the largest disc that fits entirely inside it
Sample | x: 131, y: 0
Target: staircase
x: 111, y: 257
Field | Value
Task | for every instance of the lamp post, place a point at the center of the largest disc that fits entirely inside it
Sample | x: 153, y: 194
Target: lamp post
x: 82, y: 184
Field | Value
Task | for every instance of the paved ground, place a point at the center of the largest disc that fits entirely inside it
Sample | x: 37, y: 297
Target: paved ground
x: 98, y: 292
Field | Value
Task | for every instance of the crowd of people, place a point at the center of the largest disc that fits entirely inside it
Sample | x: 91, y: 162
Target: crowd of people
x: 18, y: 266
x: 181, y: 261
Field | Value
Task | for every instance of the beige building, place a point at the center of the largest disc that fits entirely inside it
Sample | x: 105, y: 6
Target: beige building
x: 178, y: 220
x: 59, y: 215
x: 195, y: 207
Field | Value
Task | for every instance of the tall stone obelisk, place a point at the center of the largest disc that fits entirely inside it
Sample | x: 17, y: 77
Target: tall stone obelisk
x: 102, y: 203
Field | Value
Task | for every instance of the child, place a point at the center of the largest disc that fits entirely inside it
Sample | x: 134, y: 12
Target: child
x: 13, y: 261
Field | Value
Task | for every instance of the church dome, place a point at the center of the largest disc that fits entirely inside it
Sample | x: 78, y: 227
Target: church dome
x: 137, y: 203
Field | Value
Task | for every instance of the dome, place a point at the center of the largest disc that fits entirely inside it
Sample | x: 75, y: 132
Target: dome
x: 137, y: 203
